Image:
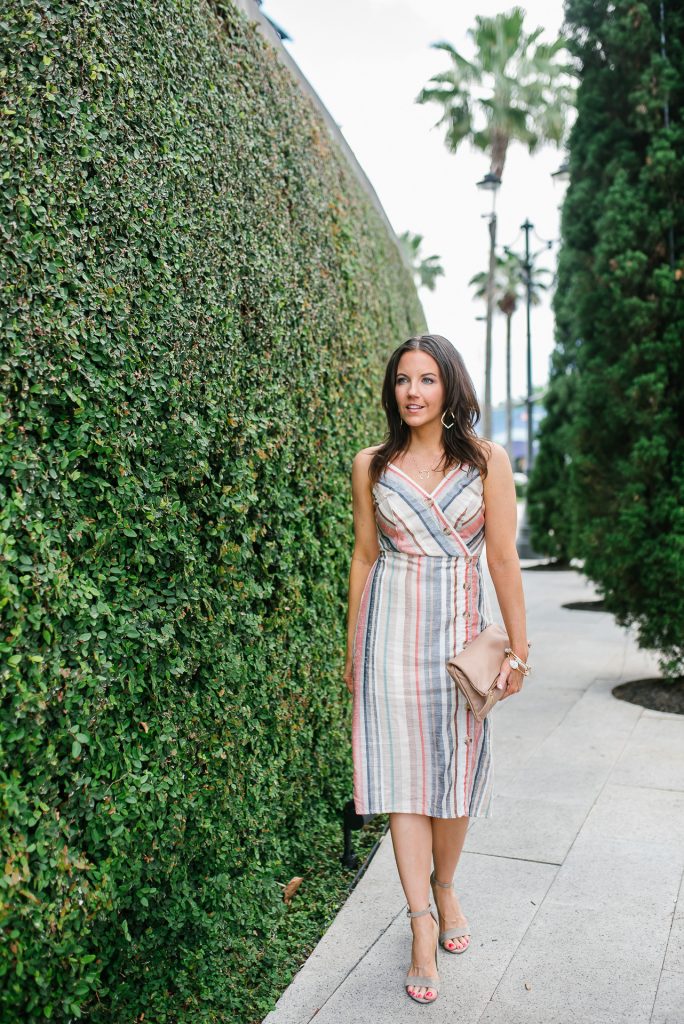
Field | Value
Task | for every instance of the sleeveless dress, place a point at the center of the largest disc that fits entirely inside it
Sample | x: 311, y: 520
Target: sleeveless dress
x: 416, y: 745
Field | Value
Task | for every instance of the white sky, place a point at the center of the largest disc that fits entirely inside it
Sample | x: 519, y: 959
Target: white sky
x: 368, y: 60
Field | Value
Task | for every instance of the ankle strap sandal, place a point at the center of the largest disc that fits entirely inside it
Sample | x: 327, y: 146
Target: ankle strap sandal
x: 421, y: 980
x: 449, y: 933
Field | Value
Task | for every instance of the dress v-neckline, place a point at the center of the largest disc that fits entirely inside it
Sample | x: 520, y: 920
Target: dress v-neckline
x: 428, y: 494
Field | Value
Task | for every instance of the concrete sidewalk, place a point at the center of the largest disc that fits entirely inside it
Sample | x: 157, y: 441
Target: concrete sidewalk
x: 570, y: 887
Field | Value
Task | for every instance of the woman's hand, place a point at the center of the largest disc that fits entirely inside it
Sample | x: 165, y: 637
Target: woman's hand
x: 349, y: 676
x: 510, y: 679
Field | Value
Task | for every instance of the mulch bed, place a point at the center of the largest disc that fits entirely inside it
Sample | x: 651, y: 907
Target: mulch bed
x: 549, y: 567
x: 655, y: 694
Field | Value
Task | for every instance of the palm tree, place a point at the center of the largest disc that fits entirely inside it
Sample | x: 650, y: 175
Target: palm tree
x: 425, y: 270
x: 515, y: 88
x: 510, y: 283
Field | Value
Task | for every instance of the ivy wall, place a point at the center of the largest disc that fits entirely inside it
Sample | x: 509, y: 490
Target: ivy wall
x: 197, y: 302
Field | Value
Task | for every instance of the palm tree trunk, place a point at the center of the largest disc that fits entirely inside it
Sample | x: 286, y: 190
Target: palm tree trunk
x: 499, y: 148
x: 509, y: 402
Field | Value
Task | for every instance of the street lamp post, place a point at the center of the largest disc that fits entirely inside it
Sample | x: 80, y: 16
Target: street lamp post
x: 525, y: 549
x: 524, y: 544
x: 490, y: 183
x: 527, y: 227
x: 528, y: 265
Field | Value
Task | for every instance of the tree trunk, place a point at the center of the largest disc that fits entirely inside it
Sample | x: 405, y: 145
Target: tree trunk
x: 499, y: 149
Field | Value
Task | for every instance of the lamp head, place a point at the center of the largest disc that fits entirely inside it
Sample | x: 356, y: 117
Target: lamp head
x: 563, y: 172
x: 490, y: 183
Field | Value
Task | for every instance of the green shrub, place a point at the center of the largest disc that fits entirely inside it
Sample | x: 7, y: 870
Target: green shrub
x: 198, y: 299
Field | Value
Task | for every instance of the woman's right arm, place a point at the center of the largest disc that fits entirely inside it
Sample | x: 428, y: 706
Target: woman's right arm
x: 366, y: 549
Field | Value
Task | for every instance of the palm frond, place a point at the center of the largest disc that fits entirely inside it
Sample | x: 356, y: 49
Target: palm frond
x: 425, y: 271
x: 468, y: 70
x: 428, y: 95
x: 446, y: 77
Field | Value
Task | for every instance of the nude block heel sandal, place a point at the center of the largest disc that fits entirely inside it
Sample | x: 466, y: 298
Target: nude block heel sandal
x: 449, y: 933
x: 421, y: 980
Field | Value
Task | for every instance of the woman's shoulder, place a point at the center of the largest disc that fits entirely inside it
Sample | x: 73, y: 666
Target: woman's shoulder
x: 495, y: 458
x: 493, y: 452
x: 499, y: 470
x: 361, y: 464
x: 365, y: 456
x: 488, y: 448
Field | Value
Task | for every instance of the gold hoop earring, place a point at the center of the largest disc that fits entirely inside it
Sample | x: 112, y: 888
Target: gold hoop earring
x: 448, y: 426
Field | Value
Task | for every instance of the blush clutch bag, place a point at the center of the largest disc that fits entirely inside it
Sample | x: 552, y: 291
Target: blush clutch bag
x: 476, y: 669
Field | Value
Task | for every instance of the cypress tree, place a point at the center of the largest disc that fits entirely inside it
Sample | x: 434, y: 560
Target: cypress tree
x: 609, y: 484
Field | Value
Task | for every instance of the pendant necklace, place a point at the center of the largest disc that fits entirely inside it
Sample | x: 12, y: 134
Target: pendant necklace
x: 424, y: 473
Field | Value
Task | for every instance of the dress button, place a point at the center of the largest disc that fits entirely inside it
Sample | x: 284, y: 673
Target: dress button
x: 446, y: 529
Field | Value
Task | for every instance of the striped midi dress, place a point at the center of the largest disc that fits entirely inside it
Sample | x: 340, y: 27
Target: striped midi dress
x: 416, y: 746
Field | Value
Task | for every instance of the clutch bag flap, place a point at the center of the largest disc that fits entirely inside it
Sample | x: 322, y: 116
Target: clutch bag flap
x: 480, y: 660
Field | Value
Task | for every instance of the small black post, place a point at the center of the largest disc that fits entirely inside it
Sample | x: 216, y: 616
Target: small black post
x: 352, y: 822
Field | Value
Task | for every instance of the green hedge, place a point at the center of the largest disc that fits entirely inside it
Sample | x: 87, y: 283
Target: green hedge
x: 609, y: 483
x: 197, y: 302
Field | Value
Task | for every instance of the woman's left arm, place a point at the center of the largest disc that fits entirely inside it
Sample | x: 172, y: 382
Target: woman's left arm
x: 501, y: 517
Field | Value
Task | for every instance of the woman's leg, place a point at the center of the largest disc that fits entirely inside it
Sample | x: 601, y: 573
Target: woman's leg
x: 448, y: 837
x: 412, y: 842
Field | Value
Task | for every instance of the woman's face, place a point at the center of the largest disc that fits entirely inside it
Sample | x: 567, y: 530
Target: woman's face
x: 418, y: 388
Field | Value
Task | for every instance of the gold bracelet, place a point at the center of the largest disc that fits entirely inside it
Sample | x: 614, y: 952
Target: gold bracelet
x: 516, y: 662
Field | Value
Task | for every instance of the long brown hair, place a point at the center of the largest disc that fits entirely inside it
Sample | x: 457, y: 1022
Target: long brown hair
x: 461, y: 443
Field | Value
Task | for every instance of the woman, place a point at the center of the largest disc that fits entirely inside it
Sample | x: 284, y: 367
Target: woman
x: 425, y: 502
